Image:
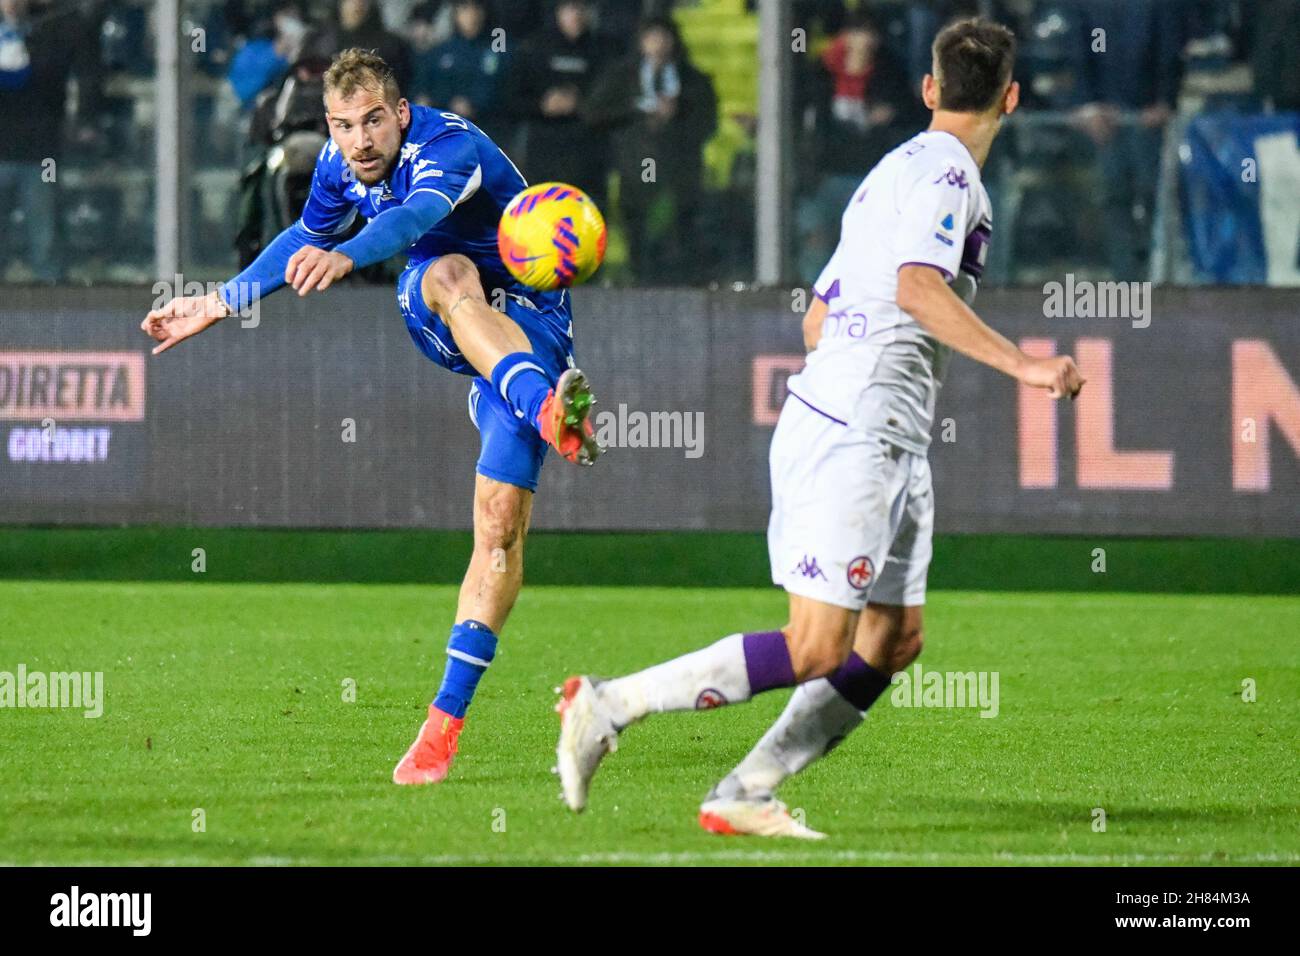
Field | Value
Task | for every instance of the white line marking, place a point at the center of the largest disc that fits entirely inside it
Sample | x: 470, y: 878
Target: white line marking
x: 690, y: 857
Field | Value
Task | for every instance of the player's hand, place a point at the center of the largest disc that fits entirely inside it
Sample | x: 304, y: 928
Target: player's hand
x: 1058, y: 374
x: 182, y: 317
x: 314, y: 268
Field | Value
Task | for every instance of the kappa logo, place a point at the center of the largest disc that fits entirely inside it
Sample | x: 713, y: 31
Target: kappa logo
x: 860, y: 572
x: 954, y: 177
x: 710, y: 698
x: 809, y: 568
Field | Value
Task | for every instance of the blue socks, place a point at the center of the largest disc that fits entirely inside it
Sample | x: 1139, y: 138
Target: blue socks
x: 470, y: 650
x: 523, y: 383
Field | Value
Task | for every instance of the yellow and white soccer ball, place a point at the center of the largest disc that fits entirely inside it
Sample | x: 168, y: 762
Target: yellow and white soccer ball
x: 551, y: 236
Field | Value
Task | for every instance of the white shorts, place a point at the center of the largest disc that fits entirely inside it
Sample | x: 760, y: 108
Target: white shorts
x: 852, y: 514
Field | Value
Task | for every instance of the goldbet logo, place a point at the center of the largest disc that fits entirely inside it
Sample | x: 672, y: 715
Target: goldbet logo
x: 52, y: 388
x: 77, y: 386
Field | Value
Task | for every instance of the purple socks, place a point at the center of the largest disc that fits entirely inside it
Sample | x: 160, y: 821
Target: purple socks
x: 858, y: 682
x: 767, y: 661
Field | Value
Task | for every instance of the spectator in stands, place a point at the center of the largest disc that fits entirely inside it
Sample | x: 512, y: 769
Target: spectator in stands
x: 860, y: 106
x: 1129, y: 93
x: 292, y: 105
x: 548, y: 86
x: 867, y: 86
x: 273, y: 41
x: 464, y: 73
x: 39, y: 50
x: 359, y: 25
x: 660, y: 109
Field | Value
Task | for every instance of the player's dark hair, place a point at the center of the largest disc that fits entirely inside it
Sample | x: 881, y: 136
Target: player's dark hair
x: 356, y: 69
x: 972, y: 62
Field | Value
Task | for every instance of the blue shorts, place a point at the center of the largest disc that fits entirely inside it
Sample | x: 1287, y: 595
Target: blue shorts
x: 510, y: 450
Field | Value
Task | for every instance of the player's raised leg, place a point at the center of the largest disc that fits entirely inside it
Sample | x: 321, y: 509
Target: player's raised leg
x: 813, y: 644
x: 501, y: 351
x: 488, y: 592
x: 820, y: 714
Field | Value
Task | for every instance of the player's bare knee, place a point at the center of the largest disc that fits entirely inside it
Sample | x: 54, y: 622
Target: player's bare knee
x: 498, y: 524
x: 448, y: 279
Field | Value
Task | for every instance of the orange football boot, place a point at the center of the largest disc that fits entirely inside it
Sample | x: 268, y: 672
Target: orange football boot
x: 429, y: 759
x: 564, y: 421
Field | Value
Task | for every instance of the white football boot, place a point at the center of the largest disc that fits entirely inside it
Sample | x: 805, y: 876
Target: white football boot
x: 767, y: 817
x: 587, y: 733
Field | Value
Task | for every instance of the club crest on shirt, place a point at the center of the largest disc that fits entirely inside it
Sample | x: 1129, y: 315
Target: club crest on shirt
x: 860, y: 572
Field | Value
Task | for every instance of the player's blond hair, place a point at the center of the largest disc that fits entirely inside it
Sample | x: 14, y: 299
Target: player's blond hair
x: 356, y: 69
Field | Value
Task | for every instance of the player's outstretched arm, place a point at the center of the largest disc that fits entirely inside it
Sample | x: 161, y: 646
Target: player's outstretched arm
x: 925, y: 296
x: 189, y: 315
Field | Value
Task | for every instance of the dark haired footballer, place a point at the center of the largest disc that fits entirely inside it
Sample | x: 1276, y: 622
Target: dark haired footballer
x: 433, y: 185
x: 852, y: 510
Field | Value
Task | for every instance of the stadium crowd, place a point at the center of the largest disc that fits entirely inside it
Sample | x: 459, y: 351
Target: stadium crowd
x: 586, y: 91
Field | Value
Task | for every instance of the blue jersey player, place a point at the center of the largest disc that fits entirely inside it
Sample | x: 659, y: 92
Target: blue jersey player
x: 433, y: 185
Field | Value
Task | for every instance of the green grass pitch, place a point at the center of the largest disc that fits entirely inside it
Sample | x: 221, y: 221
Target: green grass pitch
x: 228, y: 697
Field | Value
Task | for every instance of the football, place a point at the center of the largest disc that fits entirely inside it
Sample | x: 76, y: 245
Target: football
x: 551, y: 236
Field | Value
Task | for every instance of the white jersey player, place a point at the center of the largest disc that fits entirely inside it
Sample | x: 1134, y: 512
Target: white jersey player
x: 849, y: 471
x: 852, y: 507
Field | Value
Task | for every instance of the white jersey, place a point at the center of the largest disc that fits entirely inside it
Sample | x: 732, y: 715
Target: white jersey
x: 874, y: 367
